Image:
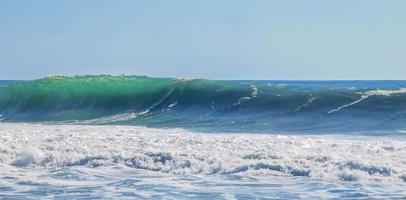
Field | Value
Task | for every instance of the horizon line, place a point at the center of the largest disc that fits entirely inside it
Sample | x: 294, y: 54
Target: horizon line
x: 214, y: 79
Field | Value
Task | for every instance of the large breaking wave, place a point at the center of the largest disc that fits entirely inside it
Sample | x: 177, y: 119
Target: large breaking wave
x: 257, y: 106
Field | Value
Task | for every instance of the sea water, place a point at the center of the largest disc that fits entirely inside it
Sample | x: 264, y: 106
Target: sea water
x: 131, y: 137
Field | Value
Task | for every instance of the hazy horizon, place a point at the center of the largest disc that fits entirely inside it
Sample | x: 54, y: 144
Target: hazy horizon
x: 321, y: 80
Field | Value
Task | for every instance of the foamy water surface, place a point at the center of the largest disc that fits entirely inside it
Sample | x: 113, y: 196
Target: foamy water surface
x: 85, y: 161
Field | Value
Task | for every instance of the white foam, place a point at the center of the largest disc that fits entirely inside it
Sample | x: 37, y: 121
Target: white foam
x: 309, y: 101
x: 178, y: 151
x: 378, y: 92
x: 172, y: 104
x: 255, y: 91
x: 30, y: 156
x: 348, y: 105
x: 114, y: 118
x: 254, y: 94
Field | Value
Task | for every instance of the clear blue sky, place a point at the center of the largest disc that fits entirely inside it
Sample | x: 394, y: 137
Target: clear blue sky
x: 217, y: 39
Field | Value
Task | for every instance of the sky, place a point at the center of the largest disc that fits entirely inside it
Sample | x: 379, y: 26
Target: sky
x: 227, y: 39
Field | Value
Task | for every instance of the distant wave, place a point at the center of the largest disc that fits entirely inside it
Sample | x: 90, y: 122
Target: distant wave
x: 202, y: 104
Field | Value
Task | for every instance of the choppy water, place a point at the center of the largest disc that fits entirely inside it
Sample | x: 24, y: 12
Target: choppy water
x: 124, y: 183
x: 87, y: 161
x: 146, y: 138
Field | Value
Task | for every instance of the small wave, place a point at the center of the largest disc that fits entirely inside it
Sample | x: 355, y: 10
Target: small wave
x: 28, y: 157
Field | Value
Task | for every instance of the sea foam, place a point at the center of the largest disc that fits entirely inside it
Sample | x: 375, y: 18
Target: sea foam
x: 177, y: 151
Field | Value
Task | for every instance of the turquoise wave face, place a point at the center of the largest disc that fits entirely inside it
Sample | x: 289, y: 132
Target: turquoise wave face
x: 246, y: 106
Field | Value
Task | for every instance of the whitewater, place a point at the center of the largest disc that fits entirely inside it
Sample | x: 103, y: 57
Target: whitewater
x: 137, y: 137
x: 72, y: 161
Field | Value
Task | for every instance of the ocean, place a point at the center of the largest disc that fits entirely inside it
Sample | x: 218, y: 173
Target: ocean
x: 119, y: 137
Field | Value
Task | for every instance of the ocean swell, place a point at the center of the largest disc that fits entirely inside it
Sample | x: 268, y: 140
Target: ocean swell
x: 254, y: 106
